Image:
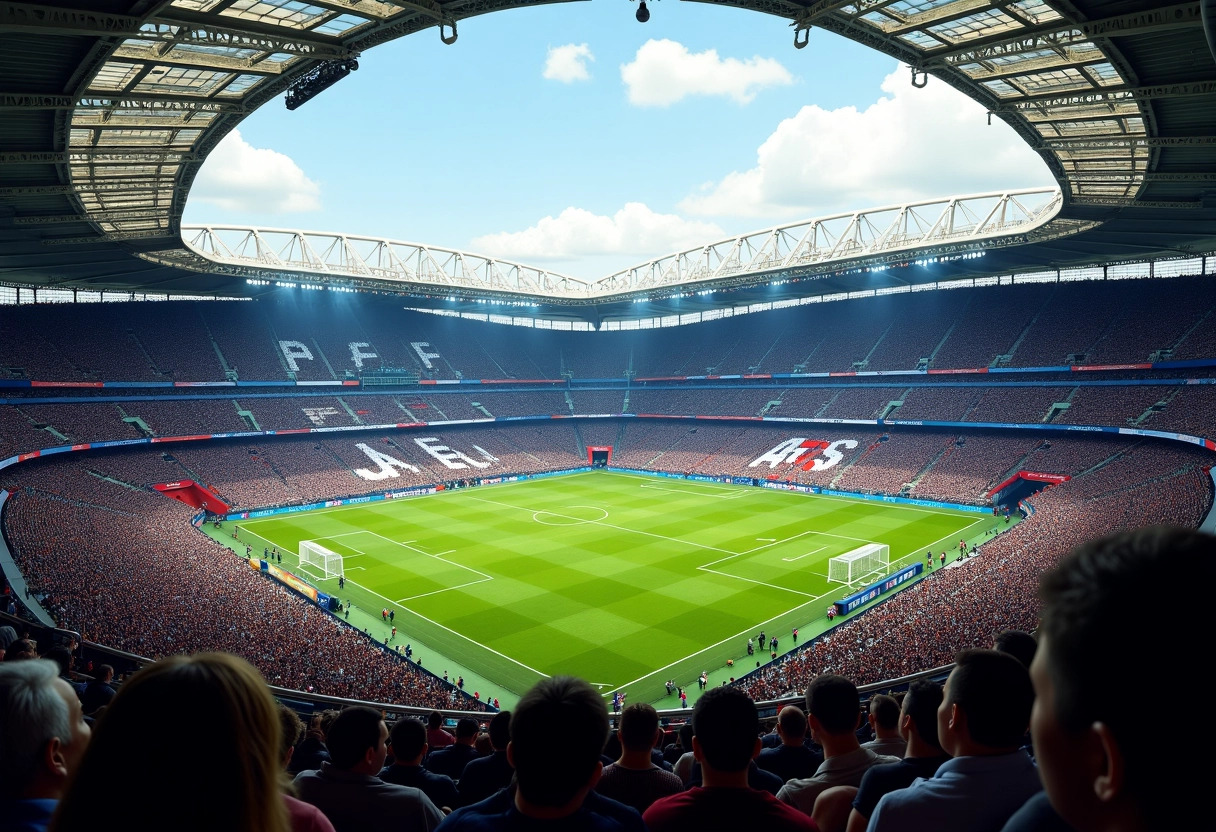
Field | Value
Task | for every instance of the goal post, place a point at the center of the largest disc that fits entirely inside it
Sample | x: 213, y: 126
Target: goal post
x: 864, y: 560
x: 327, y: 561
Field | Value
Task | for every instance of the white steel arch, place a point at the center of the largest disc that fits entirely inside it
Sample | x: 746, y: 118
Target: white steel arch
x: 973, y: 222
x: 950, y: 225
x: 323, y: 257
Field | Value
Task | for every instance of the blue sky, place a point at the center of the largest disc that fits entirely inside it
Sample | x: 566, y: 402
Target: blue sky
x: 574, y: 138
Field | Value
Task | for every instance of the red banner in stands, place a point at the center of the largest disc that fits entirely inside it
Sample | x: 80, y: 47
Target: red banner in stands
x: 66, y: 384
x: 193, y: 494
x: 1085, y: 367
x: 1037, y: 476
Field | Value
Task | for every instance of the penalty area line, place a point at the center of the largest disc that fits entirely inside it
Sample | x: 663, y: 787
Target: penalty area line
x: 800, y: 557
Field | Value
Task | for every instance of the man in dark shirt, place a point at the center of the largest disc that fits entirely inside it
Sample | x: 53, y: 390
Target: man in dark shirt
x: 924, y: 755
x: 793, y: 758
x: 486, y: 775
x: 408, y: 744
x: 347, y: 789
x: 726, y: 731
x: 557, y: 732
x: 99, y: 692
x: 452, y: 760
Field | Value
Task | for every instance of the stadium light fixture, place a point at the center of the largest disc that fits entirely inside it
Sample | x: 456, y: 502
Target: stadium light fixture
x: 318, y: 80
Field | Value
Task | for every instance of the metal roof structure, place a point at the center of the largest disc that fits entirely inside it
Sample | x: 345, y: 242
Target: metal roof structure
x: 869, y: 239
x: 108, y: 112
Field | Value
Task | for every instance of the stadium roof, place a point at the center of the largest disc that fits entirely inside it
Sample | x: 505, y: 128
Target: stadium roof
x: 109, y: 112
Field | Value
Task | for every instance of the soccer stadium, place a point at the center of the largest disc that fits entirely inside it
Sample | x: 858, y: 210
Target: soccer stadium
x: 850, y: 452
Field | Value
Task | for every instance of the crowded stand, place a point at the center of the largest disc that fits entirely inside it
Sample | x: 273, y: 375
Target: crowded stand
x: 891, y: 465
x: 971, y: 465
x: 1016, y: 404
x: 157, y: 587
x: 87, y: 423
x: 937, y: 403
x: 990, y: 325
x: 918, y: 325
x: 860, y: 402
x: 1104, y: 405
x: 328, y: 339
x: 968, y: 604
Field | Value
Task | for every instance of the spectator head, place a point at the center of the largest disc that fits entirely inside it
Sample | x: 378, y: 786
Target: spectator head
x: 356, y: 740
x: 684, y: 737
x: 434, y: 720
x: 61, y: 656
x: 986, y: 704
x: 467, y: 730
x: 557, y: 732
x: 238, y: 759
x: 833, y: 705
x: 1017, y: 643
x: 42, y: 731
x: 409, y: 741
x: 639, y: 727
x: 20, y: 650
x: 500, y: 730
x: 105, y: 673
x: 326, y: 719
x: 791, y: 725
x: 919, y: 712
x: 884, y: 715
x: 292, y: 731
x: 1098, y: 749
x: 726, y: 730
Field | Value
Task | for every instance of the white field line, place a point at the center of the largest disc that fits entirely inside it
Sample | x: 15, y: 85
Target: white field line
x: 916, y: 553
x: 429, y: 555
x: 459, y: 635
x: 750, y: 629
x: 800, y: 557
x: 605, y: 525
x: 445, y: 589
x: 696, y: 483
x: 734, y: 496
x: 767, y: 539
x: 420, y: 551
x: 754, y: 581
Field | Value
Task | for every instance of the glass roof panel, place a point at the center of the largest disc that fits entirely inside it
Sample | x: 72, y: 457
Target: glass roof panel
x: 1065, y: 79
x: 1104, y: 74
x: 197, y: 5
x: 981, y: 24
x: 240, y: 53
x: 289, y: 13
x: 341, y: 24
x: 920, y: 39
x: 242, y: 84
x: 114, y: 76
x: 1002, y: 89
x: 1037, y: 10
x: 180, y: 80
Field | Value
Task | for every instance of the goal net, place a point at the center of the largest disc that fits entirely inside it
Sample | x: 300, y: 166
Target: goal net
x: 313, y: 554
x: 862, y: 561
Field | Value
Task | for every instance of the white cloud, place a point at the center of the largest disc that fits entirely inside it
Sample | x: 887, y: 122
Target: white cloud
x: 635, y: 229
x: 910, y: 144
x: 664, y: 72
x: 239, y: 177
x: 568, y: 63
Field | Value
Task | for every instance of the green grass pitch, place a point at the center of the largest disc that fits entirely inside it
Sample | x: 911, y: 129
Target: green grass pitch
x: 623, y: 580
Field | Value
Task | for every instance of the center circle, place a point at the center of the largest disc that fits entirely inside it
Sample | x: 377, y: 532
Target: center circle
x: 570, y: 516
